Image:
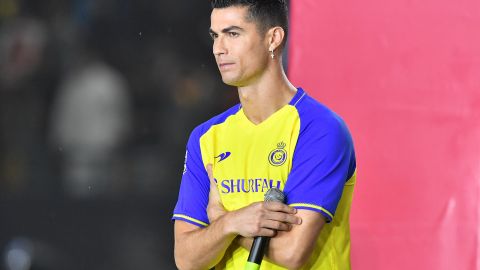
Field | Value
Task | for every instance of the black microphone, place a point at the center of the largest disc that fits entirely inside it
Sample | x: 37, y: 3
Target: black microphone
x: 260, y: 243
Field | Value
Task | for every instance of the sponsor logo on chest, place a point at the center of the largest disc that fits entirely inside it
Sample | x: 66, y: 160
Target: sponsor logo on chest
x: 256, y: 185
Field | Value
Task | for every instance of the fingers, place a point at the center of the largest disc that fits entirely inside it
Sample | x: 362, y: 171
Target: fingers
x: 284, y: 218
x: 210, y: 174
x: 261, y: 219
x: 279, y: 207
x: 215, y: 207
x: 213, y: 185
x: 281, y: 212
x: 265, y: 232
x: 276, y: 225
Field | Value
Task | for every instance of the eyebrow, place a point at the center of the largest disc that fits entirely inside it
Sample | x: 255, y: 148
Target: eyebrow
x: 226, y: 30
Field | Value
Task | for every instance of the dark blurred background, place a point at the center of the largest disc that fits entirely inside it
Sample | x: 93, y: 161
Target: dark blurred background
x: 97, y: 99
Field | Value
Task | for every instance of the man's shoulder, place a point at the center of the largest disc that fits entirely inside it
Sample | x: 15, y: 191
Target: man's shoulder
x: 201, y: 129
x: 314, y: 114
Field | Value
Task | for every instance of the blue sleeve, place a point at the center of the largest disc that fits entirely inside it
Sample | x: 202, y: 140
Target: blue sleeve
x: 195, y: 186
x: 323, y: 161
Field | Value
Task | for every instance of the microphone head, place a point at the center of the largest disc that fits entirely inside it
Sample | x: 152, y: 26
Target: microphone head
x: 274, y: 195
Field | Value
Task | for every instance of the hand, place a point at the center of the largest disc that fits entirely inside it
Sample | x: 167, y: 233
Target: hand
x: 215, y: 207
x: 262, y: 219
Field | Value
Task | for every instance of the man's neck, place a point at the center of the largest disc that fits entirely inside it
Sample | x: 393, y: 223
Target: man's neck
x: 266, y: 96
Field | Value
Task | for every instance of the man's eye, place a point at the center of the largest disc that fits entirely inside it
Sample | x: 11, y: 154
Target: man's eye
x: 213, y: 36
x: 233, y: 34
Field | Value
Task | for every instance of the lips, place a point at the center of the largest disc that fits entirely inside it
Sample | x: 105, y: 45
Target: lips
x: 225, y: 66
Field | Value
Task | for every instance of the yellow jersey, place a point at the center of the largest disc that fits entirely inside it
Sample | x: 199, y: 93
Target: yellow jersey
x: 304, y: 149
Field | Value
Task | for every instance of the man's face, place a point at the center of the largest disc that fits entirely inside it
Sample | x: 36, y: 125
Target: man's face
x: 240, y: 50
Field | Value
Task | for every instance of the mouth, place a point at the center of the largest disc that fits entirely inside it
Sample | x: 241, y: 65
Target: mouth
x: 225, y: 66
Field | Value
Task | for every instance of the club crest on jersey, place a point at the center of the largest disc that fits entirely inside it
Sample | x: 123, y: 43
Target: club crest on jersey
x: 278, y: 156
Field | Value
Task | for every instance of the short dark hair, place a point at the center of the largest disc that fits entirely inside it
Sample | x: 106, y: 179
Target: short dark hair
x: 266, y: 13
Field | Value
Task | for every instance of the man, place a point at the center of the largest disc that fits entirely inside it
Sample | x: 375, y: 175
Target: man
x: 277, y: 136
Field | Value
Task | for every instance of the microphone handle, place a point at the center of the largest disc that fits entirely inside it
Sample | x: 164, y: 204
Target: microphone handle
x: 260, y: 243
x: 255, y: 257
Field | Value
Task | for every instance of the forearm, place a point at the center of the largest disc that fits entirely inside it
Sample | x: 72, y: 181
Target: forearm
x: 202, y: 248
x: 279, y: 251
x: 292, y: 249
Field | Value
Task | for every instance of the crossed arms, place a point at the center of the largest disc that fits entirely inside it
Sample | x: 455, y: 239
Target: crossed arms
x: 294, y: 233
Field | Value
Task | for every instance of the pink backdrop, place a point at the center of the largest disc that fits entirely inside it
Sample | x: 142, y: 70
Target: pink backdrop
x: 405, y: 75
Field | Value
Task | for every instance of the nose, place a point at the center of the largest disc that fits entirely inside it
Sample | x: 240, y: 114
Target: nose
x: 219, y: 47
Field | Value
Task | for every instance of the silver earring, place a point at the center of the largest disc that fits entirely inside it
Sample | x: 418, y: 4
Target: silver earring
x: 272, y: 54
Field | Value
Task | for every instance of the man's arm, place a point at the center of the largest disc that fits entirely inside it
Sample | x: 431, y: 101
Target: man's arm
x: 202, y: 248
x: 292, y: 249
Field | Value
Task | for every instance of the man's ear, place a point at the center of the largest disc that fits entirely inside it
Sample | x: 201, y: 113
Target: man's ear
x: 275, y: 37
